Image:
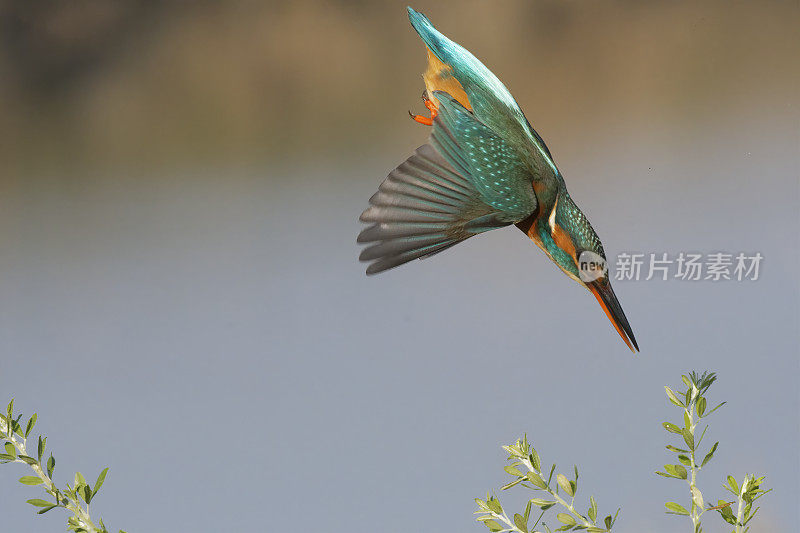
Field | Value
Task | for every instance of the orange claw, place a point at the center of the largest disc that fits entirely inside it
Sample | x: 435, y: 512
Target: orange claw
x: 429, y: 104
x: 427, y: 121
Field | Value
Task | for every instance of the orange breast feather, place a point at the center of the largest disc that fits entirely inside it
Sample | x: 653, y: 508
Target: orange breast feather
x: 439, y: 77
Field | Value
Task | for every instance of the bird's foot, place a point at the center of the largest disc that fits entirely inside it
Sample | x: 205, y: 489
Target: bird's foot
x: 427, y: 121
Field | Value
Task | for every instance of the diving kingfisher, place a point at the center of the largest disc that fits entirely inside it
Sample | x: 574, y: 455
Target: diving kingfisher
x: 483, y: 167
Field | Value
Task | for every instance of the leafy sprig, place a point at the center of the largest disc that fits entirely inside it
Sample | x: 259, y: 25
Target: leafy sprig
x: 526, y: 469
x: 694, y: 405
x: 746, y: 494
x: 75, y: 498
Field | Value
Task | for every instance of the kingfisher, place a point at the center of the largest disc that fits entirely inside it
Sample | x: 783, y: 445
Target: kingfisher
x: 484, y: 167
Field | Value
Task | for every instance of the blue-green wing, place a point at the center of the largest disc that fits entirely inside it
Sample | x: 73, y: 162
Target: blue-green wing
x: 465, y: 182
x: 494, y: 168
x: 422, y: 207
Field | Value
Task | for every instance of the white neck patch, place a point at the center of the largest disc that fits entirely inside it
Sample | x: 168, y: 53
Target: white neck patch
x: 551, y: 220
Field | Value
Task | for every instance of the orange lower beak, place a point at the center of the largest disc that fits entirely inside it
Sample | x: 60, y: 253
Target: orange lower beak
x: 608, y: 301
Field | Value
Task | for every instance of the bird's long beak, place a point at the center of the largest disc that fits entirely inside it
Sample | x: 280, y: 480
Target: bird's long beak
x: 608, y: 301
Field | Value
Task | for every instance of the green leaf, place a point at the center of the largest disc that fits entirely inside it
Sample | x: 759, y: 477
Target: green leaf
x: 710, y: 454
x: 535, y: 461
x: 677, y: 471
x: 672, y: 448
x: 511, y: 484
x: 673, y: 397
x: 41, y: 447
x: 51, y: 465
x: 47, y: 509
x: 31, y: 423
x: 520, y: 522
x: 494, y: 505
x: 536, y: 479
x: 688, y: 438
x: 697, y: 442
x: 717, y: 407
x: 544, y: 504
x: 592, y: 509
x: 664, y: 474
x: 672, y: 428
x: 6, y: 457
x: 28, y: 460
x: 565, y: 518
x: 513, y: 450
x: 609, y: 521
x: 700, y: 406
x: 493, y: 526
x: 36, y: 502
x: 17, y: 427
x: 512, y: 470
x: 684, y: 459
x: 697, y: 498
x: 565, y: 484
x: 30, y: 480
x: 676, y: 508
x: 724, y: 509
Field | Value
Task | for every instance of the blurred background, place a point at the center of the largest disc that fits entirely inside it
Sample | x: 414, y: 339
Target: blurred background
x: 181, y: 299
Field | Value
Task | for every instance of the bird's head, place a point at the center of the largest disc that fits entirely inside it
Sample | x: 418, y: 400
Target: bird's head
x: 570, y: 241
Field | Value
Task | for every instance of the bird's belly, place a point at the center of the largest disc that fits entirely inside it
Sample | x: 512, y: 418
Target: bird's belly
x: 439, y: 77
